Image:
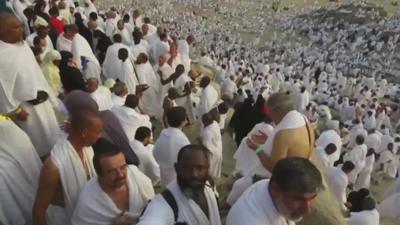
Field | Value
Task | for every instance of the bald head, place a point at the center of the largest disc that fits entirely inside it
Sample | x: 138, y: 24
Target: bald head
x: 92, y: 84
x: 84, y: 119
x: 10, y: 28
x: 86, y: 127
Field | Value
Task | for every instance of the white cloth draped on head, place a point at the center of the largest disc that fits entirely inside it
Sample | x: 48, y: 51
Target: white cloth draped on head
x: 51, y: 71
x: 247, y: 158
x: 128, y: 76
x: 72, y: 172
x: 95, y: 207
x: 131, y: 120
x: 19, y: 171
x: 166, y: 150
x: 292, y: 120
x: 81, y: 48
x: 373, y: 141
x: 327, y: 137
x: 111, y: 65
x: 354, y: 132
x: 159, y: 212
x: 255, y: 206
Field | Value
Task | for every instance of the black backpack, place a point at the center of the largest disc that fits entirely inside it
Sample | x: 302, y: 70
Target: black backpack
x: 170, y: 199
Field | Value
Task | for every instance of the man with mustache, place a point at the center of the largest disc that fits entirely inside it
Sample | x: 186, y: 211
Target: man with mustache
x: 188, y: 199
x: 282, y: 200
x: 117, y: 195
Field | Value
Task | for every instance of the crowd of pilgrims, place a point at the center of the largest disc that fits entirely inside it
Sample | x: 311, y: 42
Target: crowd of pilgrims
x: 82, y: 91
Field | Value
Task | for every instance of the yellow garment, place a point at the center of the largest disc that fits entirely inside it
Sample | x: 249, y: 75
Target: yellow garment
x: 51, y: 71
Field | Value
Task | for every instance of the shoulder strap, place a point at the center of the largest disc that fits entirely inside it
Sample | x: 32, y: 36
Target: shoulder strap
x: 170, y: 199
x: 309, y: 138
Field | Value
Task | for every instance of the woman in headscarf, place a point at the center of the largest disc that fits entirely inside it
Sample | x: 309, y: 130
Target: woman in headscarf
x: 77, y: 101
x: 242, y: 119
x: 258, y: 111
x: 71, y: 76
x: 51, y: 71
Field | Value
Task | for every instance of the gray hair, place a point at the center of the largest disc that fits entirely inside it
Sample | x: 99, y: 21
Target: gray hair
x: 283, y: 101
x: 297, y: 175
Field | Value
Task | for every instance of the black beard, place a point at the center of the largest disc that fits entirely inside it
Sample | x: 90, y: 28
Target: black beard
x: 185, y: 186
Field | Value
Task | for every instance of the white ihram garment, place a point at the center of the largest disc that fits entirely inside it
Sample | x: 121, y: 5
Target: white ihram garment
x: 95, y: 207
x: 81, y: 48
x: 159, y: 212
x: 131, y: 120
x: 19, y: 172
x: 72, y: 172
x: 19, y: 84
x: 166, y: 150
x: 212, y: 140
